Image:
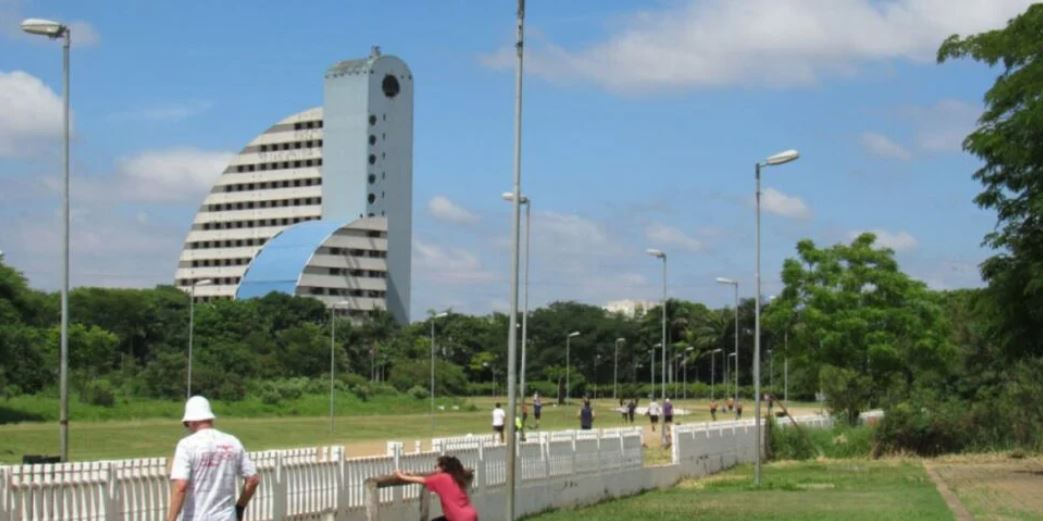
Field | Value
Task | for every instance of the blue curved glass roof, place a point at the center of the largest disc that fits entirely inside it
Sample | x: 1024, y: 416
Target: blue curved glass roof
x: 278, y: 266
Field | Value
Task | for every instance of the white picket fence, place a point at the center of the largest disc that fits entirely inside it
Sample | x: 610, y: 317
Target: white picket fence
x: 321, y: 483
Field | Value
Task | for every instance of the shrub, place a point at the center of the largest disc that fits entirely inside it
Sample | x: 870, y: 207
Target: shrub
x: 99, y: 392
x: 927, y: 429
x: 417, y: 392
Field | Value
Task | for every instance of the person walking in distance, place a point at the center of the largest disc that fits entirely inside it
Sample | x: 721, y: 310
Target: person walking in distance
x: 713, y: 409
x: 668, y: 416
x: 450, y: 483
x: 498, y: 418
x: 653, y: 413
x: 537, y: 408
x: 631, y: 406
x: 586, y: 416
x: 738, y: 410
x: 206, y: 465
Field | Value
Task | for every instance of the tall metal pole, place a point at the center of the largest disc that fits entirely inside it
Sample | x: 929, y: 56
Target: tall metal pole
x: 684, y: 368
x: 757, y: 341
x: 191, y: 333
x: 713, y: 372
x: 651, y: 377
x: 568, y: 368
x: 736, y: 346
x: 663, y: 379
x: 512, y: 338
x: 785, y: 369
x: 525, y: 308
x: 432, y: 392
x: 64, y: 368
x: 333, y: 343
x: 615, y: 369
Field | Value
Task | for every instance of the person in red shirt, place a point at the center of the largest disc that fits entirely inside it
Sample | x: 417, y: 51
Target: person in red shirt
x: 450, y: 483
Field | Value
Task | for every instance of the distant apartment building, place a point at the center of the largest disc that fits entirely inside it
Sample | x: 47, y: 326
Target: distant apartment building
x: 629, y: 308
x: 320, y: 204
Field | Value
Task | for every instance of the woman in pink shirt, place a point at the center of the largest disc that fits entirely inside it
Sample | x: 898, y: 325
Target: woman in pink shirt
x: 450, y: 483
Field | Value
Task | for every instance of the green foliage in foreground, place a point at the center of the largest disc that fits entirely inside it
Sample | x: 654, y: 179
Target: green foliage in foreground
x: 851, y: 490
x: 840, y: 442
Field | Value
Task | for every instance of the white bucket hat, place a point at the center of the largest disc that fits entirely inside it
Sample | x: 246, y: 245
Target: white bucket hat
x: 197, y: 409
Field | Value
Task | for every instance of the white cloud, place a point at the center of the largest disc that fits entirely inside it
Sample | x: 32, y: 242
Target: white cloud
x: 447, y: 265
x: 661, y: 234
x: 714, y: 43
x: 778, y: 203
x: 30, y: 114
x: 883, y: 146
x: 441, y: 208
x: 898, y: 241
x: 172, y: 175
x: 943, y: 126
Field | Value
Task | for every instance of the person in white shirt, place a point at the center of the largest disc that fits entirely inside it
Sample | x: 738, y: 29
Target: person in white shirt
x: 206, y: 465
x: 653, y: 413
x: 498, y: 418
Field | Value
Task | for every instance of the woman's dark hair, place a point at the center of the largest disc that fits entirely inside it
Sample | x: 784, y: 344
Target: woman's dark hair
x: 452, y: 466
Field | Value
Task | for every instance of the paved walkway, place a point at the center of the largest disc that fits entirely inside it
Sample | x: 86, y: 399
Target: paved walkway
x: 958, y: 510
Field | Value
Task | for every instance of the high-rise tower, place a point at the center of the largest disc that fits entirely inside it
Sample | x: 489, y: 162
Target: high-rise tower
x: 349, y: 164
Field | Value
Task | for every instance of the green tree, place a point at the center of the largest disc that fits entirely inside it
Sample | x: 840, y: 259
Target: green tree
x: 858, y: 313
x: 1009, y: 141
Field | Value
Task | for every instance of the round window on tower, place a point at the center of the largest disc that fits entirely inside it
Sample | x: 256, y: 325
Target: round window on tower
x: 390, y: 86
x: 372, y: 198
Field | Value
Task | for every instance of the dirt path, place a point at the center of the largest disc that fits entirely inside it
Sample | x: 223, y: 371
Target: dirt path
x: 951, y: 500
x: 994, y: 487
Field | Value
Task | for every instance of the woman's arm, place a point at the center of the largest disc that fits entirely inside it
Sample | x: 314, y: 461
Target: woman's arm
x: 404, y: 476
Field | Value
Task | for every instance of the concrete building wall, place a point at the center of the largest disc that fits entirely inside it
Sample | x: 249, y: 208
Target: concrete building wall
x: 368, y: 154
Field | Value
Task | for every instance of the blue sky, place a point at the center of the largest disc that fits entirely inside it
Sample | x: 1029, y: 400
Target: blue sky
x: 641, y: 129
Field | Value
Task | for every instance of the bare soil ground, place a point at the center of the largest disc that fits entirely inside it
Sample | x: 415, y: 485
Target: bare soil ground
x: 995, y: 487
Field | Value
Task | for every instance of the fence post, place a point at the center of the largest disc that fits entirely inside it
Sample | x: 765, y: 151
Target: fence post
x: 481, y: 467
x: 112, y: 493
x: 372, y: 501
x: 280, y: 492
x: 341, y: 478
x: 572, y: 470
x: 396, y: 455
x: 5, y: 495
x: 425, y: 504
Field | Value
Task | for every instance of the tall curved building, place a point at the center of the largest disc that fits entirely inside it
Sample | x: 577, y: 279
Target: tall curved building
x: 348, y: 164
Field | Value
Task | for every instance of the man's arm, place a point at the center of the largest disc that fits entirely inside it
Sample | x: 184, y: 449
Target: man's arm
x: 178, y: 490
x: 249, y: 487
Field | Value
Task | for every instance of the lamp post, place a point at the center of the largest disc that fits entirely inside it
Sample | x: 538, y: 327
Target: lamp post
x: 192, y: 327
x: 615, y: 367
x: 55, y: 30
x: 333, y: 347
x: 684, y: 366
x: 661, y: 255
x: 651, y: 377
x: 597, y: 358
x: 508, y: 196
x: 432, y: 393
x: 713, y: 371
x: 735, y: 366
x: 735, y: 286
x: 568, y: 362
x: 775, y: 160
x: 785, y: 368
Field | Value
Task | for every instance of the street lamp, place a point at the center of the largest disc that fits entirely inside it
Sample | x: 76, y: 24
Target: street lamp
x: 333, y: 344
x: 775, y: 160
x: 432, y: 398
x: 54, y: 30
x: 508, y: 196
x: 568, y: 362
x: 615, y: 367
x: 192, y: 327
x: 651, y: 375
x: 597, y: 358
x: 684, y: 365
x: 713, y: 370
x: 735, y: 286
x: 659, y: 254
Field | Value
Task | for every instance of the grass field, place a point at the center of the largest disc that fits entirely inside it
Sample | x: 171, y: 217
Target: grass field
x: 363, y: 427
x: 995, y: 487
x: 851, y: 490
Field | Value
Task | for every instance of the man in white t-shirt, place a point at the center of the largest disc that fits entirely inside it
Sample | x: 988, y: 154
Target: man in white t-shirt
x: 498, y: 417
x: 205, y: 468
